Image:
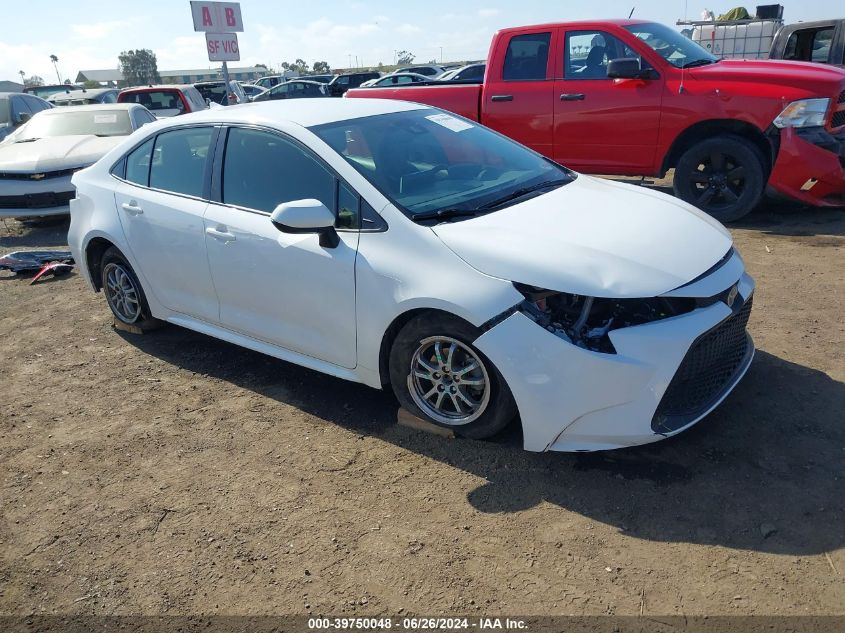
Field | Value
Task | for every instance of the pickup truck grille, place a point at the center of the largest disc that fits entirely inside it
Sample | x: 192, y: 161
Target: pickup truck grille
x: 709, y: 368
x: 838, y: 118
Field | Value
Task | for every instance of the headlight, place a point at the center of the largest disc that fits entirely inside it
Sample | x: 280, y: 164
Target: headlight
x: 586, y: 321
x: 803, y: 113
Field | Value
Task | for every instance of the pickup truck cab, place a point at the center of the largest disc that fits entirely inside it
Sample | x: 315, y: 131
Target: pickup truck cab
x: 635, y: 98
x: 822, y: 42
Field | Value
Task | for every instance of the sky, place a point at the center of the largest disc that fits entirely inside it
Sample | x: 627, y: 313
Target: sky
x: 90, y: 34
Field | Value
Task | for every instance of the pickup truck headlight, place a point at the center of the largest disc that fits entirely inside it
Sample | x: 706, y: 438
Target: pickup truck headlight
x: 803, y: 113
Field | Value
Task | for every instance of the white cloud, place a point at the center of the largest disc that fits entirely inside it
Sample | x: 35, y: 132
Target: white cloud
x: 407, y: 29
x: 488, y: 13
x: 98, y: 30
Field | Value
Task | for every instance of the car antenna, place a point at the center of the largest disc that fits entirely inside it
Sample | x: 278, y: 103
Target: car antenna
x: 634, y: 8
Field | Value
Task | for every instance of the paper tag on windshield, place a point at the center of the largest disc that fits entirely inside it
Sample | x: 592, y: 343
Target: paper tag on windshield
x: 450, y: 122
x: 105, y: 118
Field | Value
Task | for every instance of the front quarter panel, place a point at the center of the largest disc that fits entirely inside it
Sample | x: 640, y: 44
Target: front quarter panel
x: 408, y: 268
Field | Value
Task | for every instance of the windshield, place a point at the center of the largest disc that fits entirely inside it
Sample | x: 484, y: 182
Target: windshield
x: 428, y: 161
x: 676, y: 49
x: 100, y: 122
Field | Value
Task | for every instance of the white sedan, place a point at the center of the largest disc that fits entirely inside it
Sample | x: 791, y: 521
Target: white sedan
x: 397, y: 245
x: 39, y: 158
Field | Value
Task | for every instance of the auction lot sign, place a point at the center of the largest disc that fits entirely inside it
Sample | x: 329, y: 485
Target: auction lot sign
x: 217, y: 17
x: 222, y: 47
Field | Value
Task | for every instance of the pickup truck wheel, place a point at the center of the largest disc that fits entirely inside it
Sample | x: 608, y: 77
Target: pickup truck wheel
x: 439, y: 376
x: 723, y: 176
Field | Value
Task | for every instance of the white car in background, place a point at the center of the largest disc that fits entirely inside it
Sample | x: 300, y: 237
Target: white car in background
x: 394, y: 244
x: 39, y: 158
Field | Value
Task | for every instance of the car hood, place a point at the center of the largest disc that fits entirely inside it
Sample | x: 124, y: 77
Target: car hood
x: 55, y: 153
x: 592, y: 237
x: 819, y: 79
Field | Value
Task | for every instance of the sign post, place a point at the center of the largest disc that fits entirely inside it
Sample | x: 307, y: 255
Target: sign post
x: 221, y: 21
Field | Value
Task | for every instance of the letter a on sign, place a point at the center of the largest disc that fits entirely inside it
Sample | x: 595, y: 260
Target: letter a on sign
x: 217, y: 17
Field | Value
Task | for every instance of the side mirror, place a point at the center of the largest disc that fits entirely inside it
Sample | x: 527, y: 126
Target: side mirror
x: 626, y: 68
x: 23, y: 117
x: 306, y: 216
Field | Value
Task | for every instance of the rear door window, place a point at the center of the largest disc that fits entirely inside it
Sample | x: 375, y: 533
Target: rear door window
x: 527, y: 57
x: 179, y: 160
x: 138, y: 164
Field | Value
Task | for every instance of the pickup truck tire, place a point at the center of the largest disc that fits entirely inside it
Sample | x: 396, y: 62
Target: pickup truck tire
x: 723, y: 176
x: 439, y: 376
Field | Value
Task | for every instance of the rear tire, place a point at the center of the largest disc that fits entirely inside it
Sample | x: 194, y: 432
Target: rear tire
x: 723, y: 176
x: 439, y: 376
x: 123, y: 291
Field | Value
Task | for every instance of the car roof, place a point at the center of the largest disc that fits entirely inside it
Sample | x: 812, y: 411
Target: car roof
x: 303, y: 112
x: 158, y: 87
x: 96, y: 107
x: 84, y: 92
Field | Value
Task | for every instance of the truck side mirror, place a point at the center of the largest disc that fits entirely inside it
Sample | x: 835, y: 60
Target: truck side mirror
x: 626, y: 68
x: 23, y: 117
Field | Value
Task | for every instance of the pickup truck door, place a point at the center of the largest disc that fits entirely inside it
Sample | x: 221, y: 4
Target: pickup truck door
x: 601, y: 125
x: 517, y: 95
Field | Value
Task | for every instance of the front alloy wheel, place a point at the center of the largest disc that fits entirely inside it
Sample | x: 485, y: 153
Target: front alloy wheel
x: 448, y: 381
x: 438, y: 375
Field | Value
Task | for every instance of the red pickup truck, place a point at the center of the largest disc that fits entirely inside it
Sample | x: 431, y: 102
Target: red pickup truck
x: 636, y: 98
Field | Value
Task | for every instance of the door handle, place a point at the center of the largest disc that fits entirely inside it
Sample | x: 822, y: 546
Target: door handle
x: 132, y: 208
x: 220, y: 234
x: 501, y: 98
x: 572, y: 96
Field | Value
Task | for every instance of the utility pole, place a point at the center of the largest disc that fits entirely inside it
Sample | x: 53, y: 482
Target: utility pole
x: 55, y: 61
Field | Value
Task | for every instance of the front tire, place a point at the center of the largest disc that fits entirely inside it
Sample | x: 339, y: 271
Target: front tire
x: 123, y: 291
x: 723, y: 176
x: 439, y: 376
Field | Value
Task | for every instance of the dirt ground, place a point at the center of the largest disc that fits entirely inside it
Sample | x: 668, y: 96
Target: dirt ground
x: 172, y: 473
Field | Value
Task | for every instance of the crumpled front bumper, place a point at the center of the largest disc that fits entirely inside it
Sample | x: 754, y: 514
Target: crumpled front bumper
x: 810, y: 167
x: 572, y: 399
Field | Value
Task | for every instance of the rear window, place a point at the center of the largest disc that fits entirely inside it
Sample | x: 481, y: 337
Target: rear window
x: 156, y: 101
x: 527, y: 57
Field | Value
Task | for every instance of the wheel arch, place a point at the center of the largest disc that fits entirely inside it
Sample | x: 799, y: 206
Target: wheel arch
x: 393, y: 330
x: 94, y: 251
x: 712, y: 127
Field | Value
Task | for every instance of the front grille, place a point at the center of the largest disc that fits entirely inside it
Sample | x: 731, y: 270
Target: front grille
x: 708, y: 369
x: 43, y: 200
x: 838, y: 118
x: 44, y: 175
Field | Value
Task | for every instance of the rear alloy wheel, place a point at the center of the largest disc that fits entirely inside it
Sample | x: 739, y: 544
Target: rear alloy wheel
x: 723, y: 176
x: 123, y: 291
x: 439, y: 376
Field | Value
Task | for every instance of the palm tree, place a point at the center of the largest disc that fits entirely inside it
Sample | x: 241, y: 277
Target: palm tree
x: 55, y: 61
x: 22, y: 74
